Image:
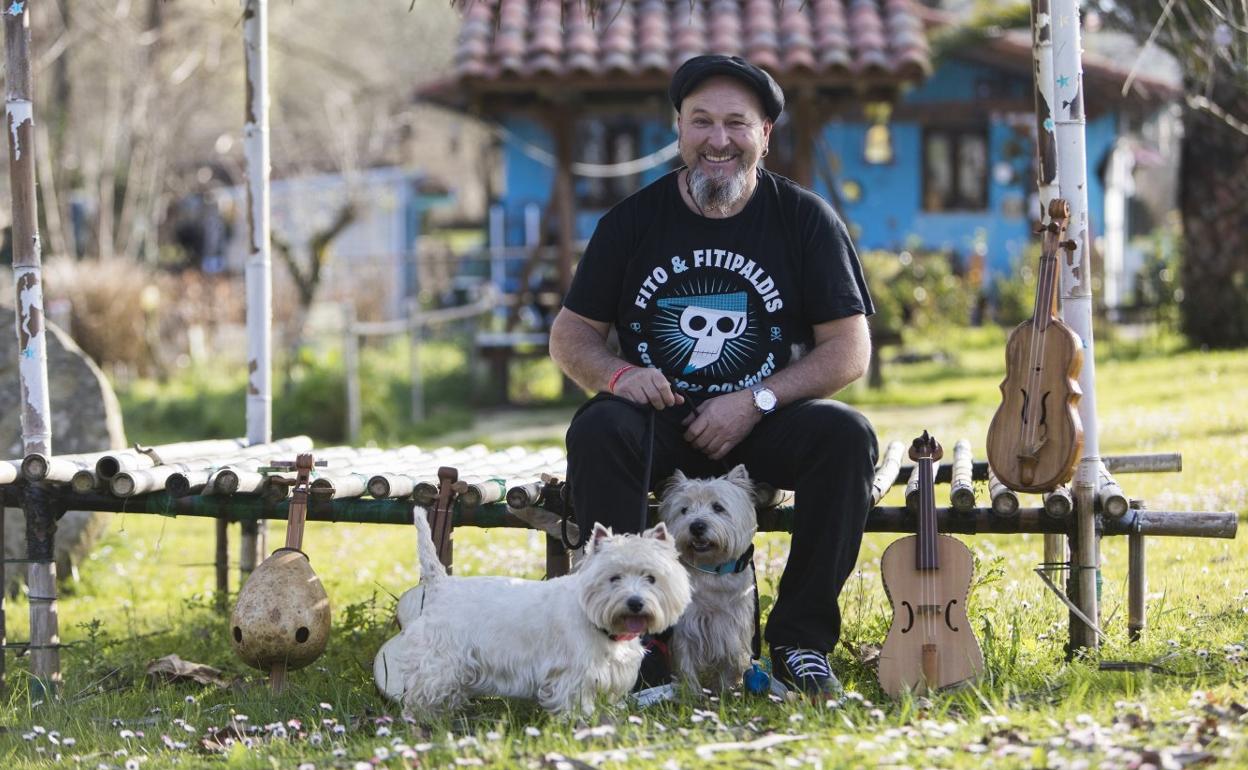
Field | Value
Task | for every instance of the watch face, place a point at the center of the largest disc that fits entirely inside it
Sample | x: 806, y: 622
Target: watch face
x: 765, y: 399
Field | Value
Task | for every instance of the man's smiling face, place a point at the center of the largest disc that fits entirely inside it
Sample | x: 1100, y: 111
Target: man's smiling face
x: 723, y: 132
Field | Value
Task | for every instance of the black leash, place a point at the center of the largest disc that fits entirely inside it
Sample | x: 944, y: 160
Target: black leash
x: 648, y: 441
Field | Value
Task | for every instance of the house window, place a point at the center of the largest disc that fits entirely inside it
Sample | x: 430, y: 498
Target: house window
x: 955, y: 169
x: 605, y: 142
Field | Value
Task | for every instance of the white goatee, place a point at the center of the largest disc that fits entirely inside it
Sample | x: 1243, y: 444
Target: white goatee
x: 718, y: 194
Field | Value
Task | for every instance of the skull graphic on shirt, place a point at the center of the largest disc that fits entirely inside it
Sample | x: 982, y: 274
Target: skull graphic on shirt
x: 709, y: 321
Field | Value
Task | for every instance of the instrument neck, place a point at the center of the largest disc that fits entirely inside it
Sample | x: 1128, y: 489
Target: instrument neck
x: 1046, y: 291
x: 926, y: 553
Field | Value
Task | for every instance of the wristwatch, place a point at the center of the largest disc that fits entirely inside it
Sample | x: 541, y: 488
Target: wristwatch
x: 764, y: 400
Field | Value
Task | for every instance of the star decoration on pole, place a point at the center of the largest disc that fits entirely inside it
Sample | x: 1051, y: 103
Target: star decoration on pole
x: 16, y: 8
x: 1063, y: 81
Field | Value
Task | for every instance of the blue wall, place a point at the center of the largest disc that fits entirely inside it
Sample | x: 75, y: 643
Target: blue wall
x: 888, y: 214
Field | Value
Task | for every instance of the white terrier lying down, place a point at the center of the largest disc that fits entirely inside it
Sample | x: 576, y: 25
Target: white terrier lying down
x: 713, y: 522
x: 564, y: 642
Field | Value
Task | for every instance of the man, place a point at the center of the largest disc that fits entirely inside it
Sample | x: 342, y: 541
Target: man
x: 740, y: 306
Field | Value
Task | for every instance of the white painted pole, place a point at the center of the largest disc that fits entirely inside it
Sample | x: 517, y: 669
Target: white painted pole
x: 32, y: 350
x: 259, y: 260
x: 1076, y: 279
x: 1046, y: 170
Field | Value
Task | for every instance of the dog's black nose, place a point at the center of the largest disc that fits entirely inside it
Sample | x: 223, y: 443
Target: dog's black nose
x: 698, y: 528
x: 636, y: 604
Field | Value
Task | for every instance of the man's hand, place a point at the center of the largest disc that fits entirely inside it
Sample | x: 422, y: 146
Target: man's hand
x: 721, y: 423
x: 643, y: 385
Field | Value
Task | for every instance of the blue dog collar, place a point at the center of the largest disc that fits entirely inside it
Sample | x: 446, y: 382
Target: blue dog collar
x: 733, y: 567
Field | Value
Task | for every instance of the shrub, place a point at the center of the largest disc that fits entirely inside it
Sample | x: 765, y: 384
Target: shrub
x: 1013, y: 294
x: 916, y: 294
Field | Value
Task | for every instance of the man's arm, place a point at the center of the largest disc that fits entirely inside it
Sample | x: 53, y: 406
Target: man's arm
x: 578, y: 346
x: 840, y: 355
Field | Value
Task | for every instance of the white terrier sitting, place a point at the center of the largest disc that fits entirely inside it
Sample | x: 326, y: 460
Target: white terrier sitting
x: 713, y: 522
x: 563, y: 642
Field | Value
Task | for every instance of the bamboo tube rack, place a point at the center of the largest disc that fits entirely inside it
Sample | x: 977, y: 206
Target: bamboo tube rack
x: 241, y: 508
x: 517, y: 489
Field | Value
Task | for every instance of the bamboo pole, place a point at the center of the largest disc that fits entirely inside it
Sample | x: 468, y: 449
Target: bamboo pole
x: 1144, y: 463
x: 387, y: 485
x: 961, y: 488
x: 886, y: 474
x: 1046, y: 162
x: 1004, y: 500
x: 259, y: 258
x: 9, y: 471
x: 85, y: 481
x: 1137, y: 585
x: 188, y: 482
x: 474, y: 492
x: 1108, y: 494
x: 912, y: 488
x: 525, y: 495
x: 110, y: 464
x: 221, y: 564
x: 42, y: 467
x: 1076, y: 275
x: 32, y: 370
x: 1059, y: 503
x: 1139, y: 463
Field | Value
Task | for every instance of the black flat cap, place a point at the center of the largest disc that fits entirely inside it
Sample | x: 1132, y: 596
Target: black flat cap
x: 699, y: 68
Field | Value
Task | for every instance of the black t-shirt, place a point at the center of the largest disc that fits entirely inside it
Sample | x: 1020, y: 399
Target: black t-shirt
x: 718, y: 304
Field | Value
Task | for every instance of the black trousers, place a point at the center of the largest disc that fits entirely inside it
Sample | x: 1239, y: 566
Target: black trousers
x: 822, y: 450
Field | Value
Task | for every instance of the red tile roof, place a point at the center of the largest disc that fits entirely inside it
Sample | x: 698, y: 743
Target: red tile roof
x: 829, y: 42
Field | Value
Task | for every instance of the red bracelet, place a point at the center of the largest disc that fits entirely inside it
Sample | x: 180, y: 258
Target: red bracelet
x: 615, y: 378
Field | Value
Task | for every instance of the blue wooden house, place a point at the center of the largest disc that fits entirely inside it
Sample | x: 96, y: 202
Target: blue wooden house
x: 915, y: 153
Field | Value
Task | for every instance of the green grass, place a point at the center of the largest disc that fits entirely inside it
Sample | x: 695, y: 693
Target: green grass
x: 146, y: 592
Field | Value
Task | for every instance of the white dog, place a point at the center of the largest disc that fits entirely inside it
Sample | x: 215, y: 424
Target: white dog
x: 563, y: 642
x: 713, y: 522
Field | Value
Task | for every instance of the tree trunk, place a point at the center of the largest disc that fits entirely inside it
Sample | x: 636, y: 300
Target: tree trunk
x: 1213, y: 191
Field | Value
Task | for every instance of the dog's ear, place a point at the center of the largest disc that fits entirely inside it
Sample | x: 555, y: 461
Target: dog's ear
x: 741, y: 477
x: 658, y: 532
x: 672, y: 482
x: 596, y: 539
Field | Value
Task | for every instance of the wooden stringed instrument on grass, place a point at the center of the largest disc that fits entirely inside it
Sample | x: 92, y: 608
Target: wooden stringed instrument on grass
x: 930, y: 644
x: 1035, y: 437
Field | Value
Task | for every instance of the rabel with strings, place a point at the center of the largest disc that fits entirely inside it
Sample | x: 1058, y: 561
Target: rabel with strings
x: 1035, y: 437
x: 927, y: 576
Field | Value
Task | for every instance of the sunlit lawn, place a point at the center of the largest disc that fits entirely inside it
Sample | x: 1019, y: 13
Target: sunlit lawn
x: 147, y: 592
